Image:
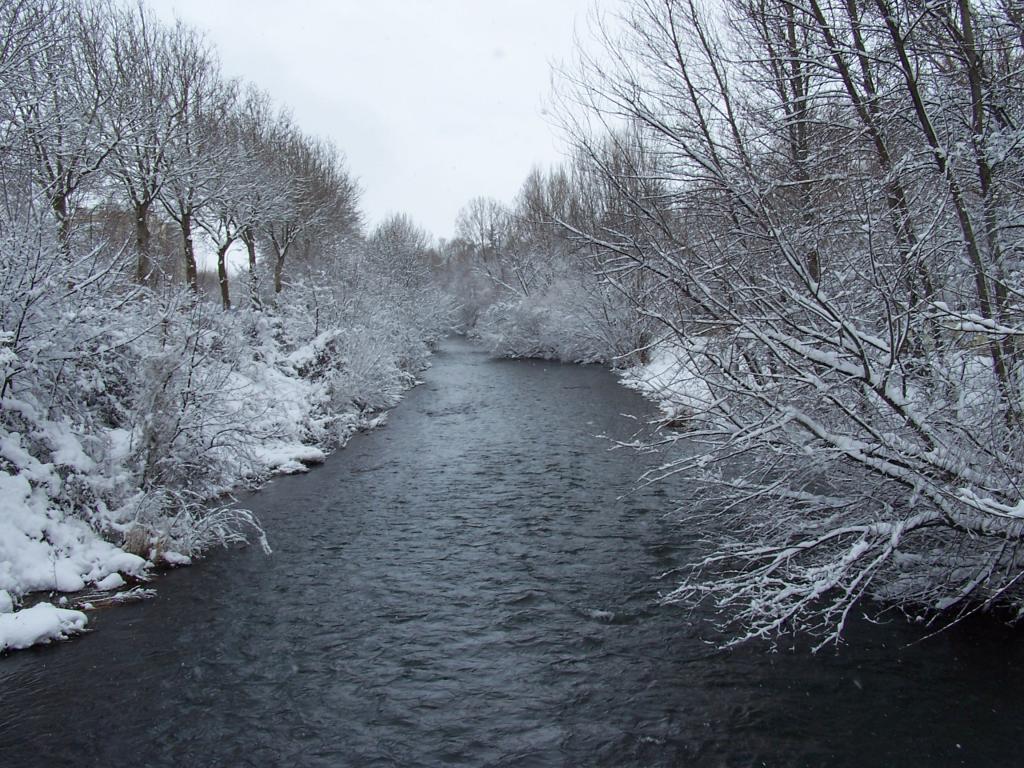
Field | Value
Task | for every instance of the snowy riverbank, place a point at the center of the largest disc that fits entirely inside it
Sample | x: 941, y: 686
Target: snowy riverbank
x: 80, y: 521
x: 671, y: 380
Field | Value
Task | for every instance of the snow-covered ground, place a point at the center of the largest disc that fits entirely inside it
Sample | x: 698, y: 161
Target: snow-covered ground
x: 671, y: 380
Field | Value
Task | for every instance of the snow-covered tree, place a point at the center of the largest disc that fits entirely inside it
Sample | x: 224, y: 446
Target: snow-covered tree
x: 197, y: 93
x: 141, y: 112
x: 828, y: 219
x: 55, y: 100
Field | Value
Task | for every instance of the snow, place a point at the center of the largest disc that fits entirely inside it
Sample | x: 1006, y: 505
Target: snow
x: 41, y: 623
x: 126, y: 563
x: 992, y: 506
x: 119, y: 445
x: 671, y: 379
x: 42, y: 549
x: 110, y: 582
x: 67, y: 449
x: 176, y: 558
x: 289, y: 458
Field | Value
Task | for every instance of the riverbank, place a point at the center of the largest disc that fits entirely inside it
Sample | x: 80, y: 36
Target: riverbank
x: 670, y: 380
x: 83, y: 523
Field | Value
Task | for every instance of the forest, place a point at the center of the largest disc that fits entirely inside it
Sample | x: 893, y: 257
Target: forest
x: 796, y: 224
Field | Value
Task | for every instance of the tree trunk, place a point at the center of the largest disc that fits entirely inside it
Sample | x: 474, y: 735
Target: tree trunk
x: 254, y: 287
x: 144, y: 266
x: 222, y: 274
x: 191, y: 272
x: 280, y: 253
x: 59, y: 203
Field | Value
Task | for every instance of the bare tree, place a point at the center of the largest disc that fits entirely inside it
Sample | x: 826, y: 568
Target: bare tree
x: 141, y: 111
x: 57, y: 100
x: 485, y: 223
x: 321, y: 201
x: 198, y: 90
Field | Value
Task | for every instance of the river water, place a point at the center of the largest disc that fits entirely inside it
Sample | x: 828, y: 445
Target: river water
x: 475, y: 584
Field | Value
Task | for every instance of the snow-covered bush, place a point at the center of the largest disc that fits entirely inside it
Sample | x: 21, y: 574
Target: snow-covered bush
x: 574, y: 319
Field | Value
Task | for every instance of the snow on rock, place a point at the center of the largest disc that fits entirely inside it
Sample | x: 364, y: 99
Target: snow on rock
x: 289, y: 467
x: 6, y: 602
x: 377, y: 421
x: 41, y: 623
x: 288, y: 458
x: 66, y: 577
x: 125, y: 562
x: 176, y: 558
x: 111, y: 582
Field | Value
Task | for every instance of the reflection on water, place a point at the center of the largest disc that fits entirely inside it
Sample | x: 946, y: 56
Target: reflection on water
x: 474, y: 585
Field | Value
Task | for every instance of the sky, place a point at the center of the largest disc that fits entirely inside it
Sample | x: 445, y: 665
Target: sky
x: 433, y: 102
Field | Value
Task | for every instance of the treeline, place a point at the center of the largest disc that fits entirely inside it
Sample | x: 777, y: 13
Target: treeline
x: 819, y: 206
x: 129, y: 395
x: 116, y: 120
x: 532, y: 283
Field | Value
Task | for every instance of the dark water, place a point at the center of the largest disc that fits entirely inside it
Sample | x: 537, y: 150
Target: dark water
x: 465, y: 587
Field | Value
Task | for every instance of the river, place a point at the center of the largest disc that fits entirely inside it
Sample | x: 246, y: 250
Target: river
x: 476, y: 584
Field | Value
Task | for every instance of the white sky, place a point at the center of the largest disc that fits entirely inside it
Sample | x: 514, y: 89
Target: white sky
x: 433, y: 102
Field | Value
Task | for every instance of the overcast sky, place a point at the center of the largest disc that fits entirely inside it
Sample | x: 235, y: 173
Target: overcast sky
x: 433, y: 102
